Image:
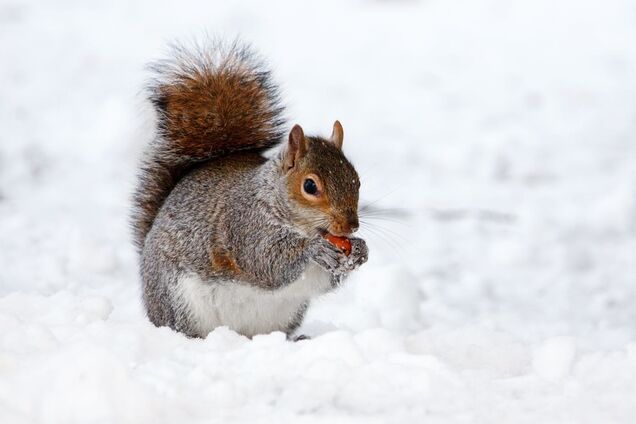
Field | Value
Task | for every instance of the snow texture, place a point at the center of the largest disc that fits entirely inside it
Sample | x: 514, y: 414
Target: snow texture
x: 501, y: 288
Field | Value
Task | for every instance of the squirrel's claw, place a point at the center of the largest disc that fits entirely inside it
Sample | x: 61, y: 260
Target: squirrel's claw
x: 359, y: 254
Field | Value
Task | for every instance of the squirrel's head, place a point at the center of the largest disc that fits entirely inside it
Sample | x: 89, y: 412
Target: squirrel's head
x: 321, y: 182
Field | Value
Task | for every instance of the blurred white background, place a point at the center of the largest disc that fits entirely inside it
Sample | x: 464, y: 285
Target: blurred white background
x: 502, y: 288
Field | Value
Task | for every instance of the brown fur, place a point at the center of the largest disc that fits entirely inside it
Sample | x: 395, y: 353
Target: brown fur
x: 210, y: 102
x: 224, y: 263
x: 295, y: 181
x: 224, y: 104
x: 340, y: 181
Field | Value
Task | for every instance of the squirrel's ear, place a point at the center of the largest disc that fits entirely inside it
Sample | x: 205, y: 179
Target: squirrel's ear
x: 296, y: 147
x: 337, y: 135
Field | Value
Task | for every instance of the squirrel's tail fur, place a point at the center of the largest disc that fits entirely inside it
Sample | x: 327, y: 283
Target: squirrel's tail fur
x: 210, y: 101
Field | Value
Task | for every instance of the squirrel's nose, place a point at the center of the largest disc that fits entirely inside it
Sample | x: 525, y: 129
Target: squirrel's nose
x: 353, y: 223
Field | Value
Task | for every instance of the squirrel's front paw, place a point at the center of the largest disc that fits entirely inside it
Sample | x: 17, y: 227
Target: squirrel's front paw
x: 327, y: 256
x: 334, y: 261
x: 359, y: 253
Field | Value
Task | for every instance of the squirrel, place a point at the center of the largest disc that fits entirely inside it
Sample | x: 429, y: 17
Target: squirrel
x: 228, y: 235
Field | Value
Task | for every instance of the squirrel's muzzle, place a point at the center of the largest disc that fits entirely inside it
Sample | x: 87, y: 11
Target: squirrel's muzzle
x: 345, y: 226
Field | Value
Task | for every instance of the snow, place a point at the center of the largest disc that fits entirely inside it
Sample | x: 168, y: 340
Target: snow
x: 502, y: 132
x: 553, y: 358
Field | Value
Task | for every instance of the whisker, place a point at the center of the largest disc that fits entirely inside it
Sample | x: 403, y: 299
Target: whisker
x: 383, y: 218
x: 386, y: 237
x: 387, y: 231
x: 372, y: 210
x: 384, y: 242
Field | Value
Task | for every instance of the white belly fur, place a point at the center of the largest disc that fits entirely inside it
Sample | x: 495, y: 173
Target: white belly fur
x: 245, y: 309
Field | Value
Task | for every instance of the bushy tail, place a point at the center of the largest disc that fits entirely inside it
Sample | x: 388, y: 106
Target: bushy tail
x: 210, y: 101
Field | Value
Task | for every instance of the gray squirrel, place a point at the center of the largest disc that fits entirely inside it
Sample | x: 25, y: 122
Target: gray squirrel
x: 226, y: 235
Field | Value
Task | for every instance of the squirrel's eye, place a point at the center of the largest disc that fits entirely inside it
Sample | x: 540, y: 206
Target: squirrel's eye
x: 310, y: 187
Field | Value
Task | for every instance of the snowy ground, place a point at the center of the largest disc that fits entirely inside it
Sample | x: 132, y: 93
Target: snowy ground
x: 504, y: 131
